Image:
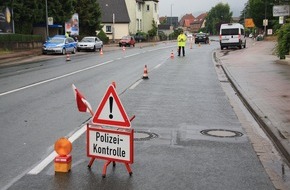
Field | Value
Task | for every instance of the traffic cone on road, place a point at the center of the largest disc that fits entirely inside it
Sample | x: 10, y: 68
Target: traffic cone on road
x: 145, y: 74
x: 101, y: 51
x: 199, y: 44
x: 67, y: 57
x: 172, y: 55
x: 124, y: 48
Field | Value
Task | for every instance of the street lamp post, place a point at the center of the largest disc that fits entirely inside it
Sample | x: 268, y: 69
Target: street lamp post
x: 113, y: 29
x: 171, y: 16
x: 265, y: 23
x: 46, y: 17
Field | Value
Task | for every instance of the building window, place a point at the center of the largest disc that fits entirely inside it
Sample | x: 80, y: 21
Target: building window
x: 137, y: 25
x: 139, y: 6
x: 155, y: 7
x: 148, y: 7
x: 140, y: 25
x: 108, y: 29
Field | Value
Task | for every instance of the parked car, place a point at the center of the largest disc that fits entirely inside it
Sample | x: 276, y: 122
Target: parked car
x: 91, y: 43
x: 201, y: 37
x: 59, y: 45
x: 139, y: 37
x: 127, y: 41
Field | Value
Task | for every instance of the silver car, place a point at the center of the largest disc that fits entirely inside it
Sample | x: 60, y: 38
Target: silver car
x: 91, y: 43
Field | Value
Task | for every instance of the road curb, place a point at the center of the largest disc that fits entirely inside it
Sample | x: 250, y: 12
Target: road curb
x: 275, y: 136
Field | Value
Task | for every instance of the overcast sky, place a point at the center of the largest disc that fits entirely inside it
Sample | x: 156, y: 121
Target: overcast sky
x: 196, y: 7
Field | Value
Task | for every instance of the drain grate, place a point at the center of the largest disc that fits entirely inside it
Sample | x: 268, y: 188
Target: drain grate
x: 144, y: 135
x: 222, y: 133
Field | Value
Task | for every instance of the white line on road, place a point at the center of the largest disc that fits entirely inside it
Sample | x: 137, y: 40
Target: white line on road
x: 37, y: 169
x: 135, y: 84
x: 52, y: 79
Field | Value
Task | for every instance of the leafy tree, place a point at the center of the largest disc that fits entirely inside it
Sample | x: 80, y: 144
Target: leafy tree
x: 30, y: 12
x: 217, y: 15
x: 89, y: 16
x: 153, y: 31
x: 259, y: 9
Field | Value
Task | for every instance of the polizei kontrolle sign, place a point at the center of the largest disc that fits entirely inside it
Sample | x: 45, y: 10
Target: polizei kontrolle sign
x: 113, y: 145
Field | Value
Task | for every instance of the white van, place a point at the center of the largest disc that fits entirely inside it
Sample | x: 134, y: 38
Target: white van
x: 232, y: 34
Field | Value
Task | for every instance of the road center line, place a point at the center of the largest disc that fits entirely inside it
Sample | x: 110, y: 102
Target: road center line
x: 53, y: 79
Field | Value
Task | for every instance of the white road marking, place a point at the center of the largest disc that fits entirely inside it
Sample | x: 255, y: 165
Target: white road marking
x: 53, y: 79
x: 135, y: 84
x: 37, y: 169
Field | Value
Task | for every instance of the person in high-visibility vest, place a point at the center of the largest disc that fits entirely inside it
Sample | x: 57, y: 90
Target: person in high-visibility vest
x: 66, y: 34
x: 181, y: 41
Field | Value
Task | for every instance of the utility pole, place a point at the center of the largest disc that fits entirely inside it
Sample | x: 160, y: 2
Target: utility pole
x: 46, y: 17
x: 171, y: 16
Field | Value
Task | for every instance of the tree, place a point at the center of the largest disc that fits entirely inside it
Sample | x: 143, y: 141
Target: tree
x: 89, y: 16
x: 153, y: 31
x: 217, y: 15
x: 259, y: 10
x: 30, y: 12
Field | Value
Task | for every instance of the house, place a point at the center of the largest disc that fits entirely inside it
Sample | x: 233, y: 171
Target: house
x: 185, y: 19
x: 142, y: 13
x: 115, y: 18
x: 125, y: 17
x: 198, y: 23
x: 173, y: 21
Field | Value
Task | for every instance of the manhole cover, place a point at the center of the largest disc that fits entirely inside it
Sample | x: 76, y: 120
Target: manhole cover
x: 223, y: 133
x: 144, y: 135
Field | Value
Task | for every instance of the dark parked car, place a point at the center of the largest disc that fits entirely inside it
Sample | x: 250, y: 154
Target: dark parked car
x: 139, y: 37
x: 127, y: 41
x: 201, y: 37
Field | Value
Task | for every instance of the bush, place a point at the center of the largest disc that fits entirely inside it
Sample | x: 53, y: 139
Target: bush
x: 20, y: 38
x: 102, y: 35
x: 283, y: 46
x: 162, y: 35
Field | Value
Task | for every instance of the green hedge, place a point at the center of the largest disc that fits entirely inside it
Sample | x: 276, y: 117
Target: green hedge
x: 283, y: 47
x: 20, y: 38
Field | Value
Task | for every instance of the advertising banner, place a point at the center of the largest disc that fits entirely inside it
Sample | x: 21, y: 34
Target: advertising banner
x: 281, y: 10
x: 72, y: 26
x: 5, y: 20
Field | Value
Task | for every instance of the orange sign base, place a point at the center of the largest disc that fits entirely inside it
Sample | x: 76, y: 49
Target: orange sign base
x: 62, y: 163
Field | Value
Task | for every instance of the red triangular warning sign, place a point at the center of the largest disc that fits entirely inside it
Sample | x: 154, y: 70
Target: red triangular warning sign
x: 111, y: 111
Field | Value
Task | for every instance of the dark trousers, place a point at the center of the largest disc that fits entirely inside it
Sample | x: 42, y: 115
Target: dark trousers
x: 183, y: 52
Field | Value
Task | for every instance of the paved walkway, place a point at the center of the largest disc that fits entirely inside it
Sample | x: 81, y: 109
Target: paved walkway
x: 263, y: 81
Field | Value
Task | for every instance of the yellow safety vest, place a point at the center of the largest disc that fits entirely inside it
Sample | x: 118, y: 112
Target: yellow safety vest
x: 181, y: 40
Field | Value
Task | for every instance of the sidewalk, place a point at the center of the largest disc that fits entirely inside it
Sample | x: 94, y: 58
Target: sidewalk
x: 263, y: 81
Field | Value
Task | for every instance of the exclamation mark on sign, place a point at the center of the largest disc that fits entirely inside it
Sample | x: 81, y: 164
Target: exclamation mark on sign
x: 111, y: 107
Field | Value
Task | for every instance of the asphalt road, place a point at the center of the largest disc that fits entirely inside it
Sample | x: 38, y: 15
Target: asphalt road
x: 182, y: 98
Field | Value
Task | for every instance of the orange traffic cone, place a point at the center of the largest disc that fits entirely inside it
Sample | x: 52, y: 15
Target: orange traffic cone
x: 199, y: 44
x: 67, y: 57
x: 145, y: 74
x: 101, y: 51
x: 172, y: 55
